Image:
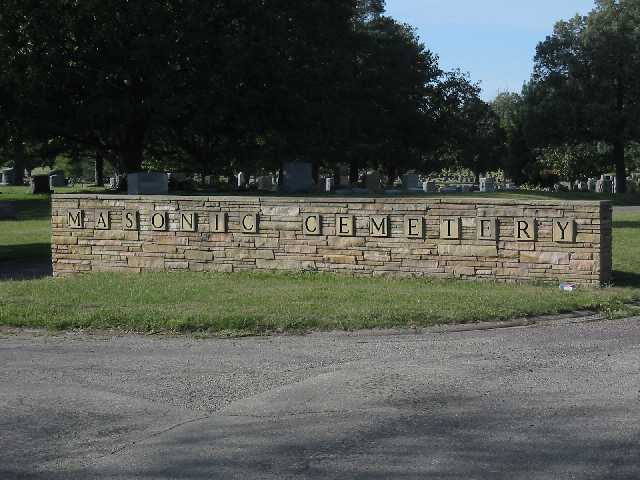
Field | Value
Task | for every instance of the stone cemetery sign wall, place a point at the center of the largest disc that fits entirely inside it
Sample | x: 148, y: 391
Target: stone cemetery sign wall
x: 506, y: 240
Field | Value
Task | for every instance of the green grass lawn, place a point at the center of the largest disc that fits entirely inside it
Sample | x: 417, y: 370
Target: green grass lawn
x: 269, y: 302
x: 29, y: 237
x: 257, y: 302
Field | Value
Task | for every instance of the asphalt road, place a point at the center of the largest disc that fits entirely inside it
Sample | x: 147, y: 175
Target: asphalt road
x: 556, y: 400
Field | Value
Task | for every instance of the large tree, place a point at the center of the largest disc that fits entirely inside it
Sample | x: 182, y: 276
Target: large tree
x: 518, y: 158
x: 585, y: 85
x: 114, y: 75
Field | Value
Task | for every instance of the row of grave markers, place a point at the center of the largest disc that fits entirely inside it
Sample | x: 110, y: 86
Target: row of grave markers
x: 487, y: 228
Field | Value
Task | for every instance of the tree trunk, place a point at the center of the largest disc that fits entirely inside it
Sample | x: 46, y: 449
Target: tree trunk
x: 621, y: 172
x: 133, y: 147
x: 353, y: 172
x: 132, y: 160
x: 99, y: 170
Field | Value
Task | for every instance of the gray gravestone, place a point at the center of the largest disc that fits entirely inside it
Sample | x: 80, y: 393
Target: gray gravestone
x: 57, y: 180
x: 429, y: 186
x: 6, y: 176
x: 265, y: 183
x: 411, y: 183
x: 487, y: 185
x: 329, y: 184
x: 373, y: 183
x: 39, y: 184
x: 241, y: 180
x: 297, y: 177
x: 604, y: 185
x: 152, y: 183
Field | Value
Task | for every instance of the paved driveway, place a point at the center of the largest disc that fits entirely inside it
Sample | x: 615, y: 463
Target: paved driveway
x: 559, y: 400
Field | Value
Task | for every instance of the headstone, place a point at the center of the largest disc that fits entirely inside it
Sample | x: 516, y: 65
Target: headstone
x: 449, y: 189
x: 6, y: 176
x: 297, y: 177
x: 411, y: 183
x: 265, y: 183
x: 57, y: 180
x: 583, y: 187
x: 39, y: 184
x: 329, y: 184
x: 591, y: 183
x: 429, y: 186
x: 373, y: 183
x: 151, y: 183
x: 487, y: 185
x: 241, y: 180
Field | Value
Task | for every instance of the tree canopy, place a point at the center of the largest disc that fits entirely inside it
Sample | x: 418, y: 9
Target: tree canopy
x: 585, y: 85
x: 219, y: 85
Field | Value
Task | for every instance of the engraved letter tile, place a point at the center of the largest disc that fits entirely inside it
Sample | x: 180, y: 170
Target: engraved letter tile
x: 564, y: 230
x: 450, y: 228
x: 188, y: 221
x: 414, y: 227
x: 311, y: 225
x: 218, y: 222
x: 159, y: 220
x: 524, y: 229
x: 345, y: 225
x: 75, y: 218
x: 379, y: 226
x: 102, y: 220
x: 130, y: 220
x: 249, y: 223
x: 487, y: 228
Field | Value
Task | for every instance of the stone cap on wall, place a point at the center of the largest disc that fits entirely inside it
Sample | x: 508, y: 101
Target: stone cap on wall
x: 332, y: 199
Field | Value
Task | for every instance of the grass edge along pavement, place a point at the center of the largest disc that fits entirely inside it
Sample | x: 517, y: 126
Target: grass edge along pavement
x: 182, y: 302
x: 251, y: 303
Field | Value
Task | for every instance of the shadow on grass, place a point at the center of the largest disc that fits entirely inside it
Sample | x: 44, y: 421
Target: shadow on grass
x: 626, y: 224
x: 26, y: 269
x: 25, y: 252
x: 33, y: 209
x: 626, y: 279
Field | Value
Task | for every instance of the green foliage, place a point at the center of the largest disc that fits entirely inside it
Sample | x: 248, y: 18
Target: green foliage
x: 584, y: 87
x: 230, y: 85
x: 570, y: 162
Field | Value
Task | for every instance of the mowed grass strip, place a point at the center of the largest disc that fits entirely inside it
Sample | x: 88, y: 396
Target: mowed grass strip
x: 258, y: 302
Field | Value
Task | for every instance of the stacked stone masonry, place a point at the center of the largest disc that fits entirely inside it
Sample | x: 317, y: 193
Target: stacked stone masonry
x: 500, y: 239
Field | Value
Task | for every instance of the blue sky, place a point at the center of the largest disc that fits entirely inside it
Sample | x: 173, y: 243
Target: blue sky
x: 493, y: 40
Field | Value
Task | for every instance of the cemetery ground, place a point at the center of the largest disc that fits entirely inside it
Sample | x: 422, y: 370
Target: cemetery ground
x: 249, y: 303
